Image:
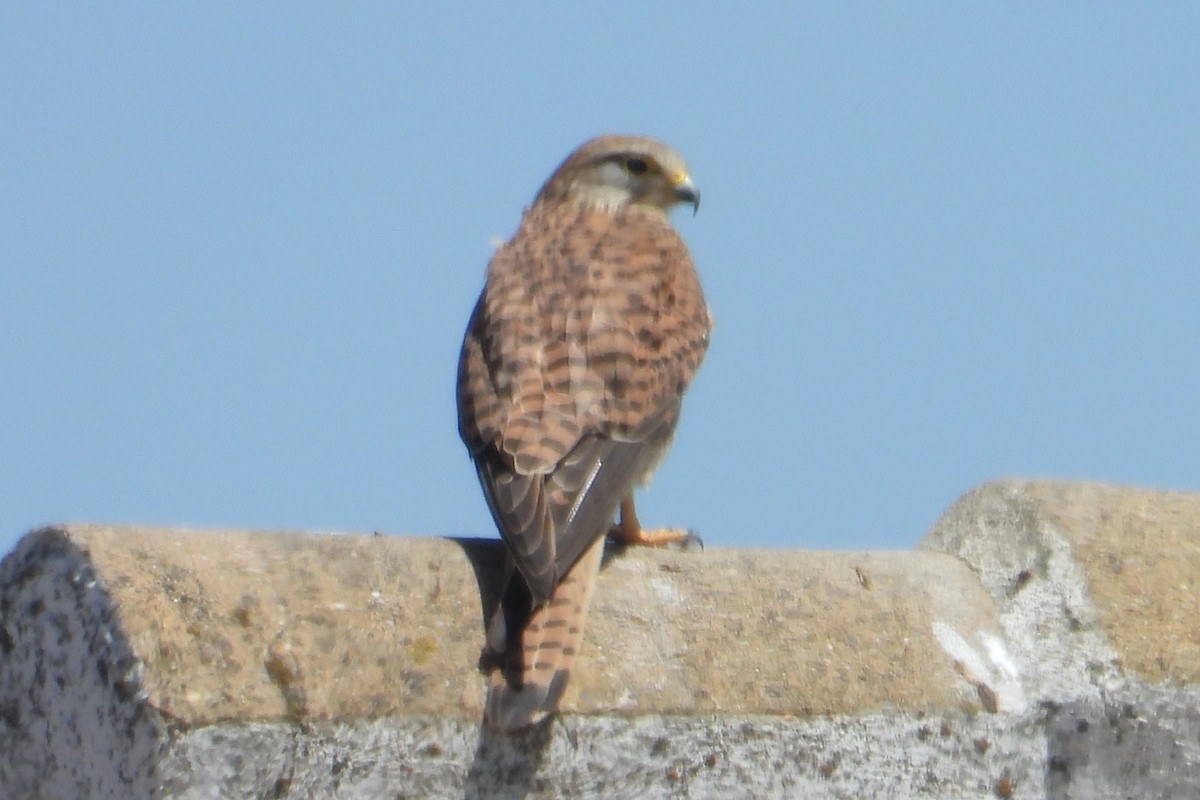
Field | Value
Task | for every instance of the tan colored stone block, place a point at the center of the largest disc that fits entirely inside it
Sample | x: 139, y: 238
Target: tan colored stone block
x: 1090, y: 579
x: 269, y: 626
x: 779, y: 632
x: 1140, y: 554
x: 292, y: 626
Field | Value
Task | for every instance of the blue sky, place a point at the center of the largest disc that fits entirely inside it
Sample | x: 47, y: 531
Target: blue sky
x: 943, y: 243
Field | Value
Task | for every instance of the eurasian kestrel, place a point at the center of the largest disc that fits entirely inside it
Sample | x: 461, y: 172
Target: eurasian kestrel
x: 590, y: 327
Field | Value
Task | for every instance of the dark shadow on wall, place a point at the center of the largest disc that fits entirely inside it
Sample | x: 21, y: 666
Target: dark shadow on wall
x: 505, y: 765
x: 1123, y: 749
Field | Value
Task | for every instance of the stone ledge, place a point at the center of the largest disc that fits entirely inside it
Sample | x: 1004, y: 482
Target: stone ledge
x: 1036, y: 645
x: 1109, y: 573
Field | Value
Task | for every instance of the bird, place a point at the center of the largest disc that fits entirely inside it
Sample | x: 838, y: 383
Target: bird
x: 590, y: 327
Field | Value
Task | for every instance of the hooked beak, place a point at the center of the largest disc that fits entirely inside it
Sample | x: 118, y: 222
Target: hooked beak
x: 686, y: 191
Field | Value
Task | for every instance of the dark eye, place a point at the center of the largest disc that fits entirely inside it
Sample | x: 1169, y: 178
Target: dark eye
x: 637, y: 166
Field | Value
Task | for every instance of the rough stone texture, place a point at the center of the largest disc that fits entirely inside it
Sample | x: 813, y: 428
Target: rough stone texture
x: 613, y: 756
x: 72, y: 719
x: 1096, y: 590
x: 779, y: 632
x: 1036, y: 645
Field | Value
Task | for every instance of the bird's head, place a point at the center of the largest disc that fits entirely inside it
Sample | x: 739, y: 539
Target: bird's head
x: 613, y: 172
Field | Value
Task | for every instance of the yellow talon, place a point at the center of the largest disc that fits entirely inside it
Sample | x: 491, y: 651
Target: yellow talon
x: 630, y: 532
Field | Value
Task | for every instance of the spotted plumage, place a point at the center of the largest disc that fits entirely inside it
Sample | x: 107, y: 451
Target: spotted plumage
x: 590, y: 327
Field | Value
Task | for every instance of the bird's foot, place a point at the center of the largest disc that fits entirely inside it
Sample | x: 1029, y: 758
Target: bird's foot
x: 674, y: 538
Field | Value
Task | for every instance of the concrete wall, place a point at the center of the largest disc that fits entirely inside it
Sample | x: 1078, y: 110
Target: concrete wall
x: 1041, y: 642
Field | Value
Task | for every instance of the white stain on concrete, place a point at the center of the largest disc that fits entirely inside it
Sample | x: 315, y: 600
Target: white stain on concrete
x: 988, y: 665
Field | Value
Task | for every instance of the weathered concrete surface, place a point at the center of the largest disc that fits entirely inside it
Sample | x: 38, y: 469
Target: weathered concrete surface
x: 1132, y: 554
x: 236, y: 625
x: 1097, y: 592
x: 1022, y: 660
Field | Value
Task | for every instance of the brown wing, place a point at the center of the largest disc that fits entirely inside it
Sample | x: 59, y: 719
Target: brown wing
x: 590, y: 327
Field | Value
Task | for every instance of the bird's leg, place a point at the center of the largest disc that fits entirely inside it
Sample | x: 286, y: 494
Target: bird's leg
x: 629, y: 531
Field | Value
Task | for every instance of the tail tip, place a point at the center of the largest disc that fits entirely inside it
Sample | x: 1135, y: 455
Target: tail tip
x: 511, y: 708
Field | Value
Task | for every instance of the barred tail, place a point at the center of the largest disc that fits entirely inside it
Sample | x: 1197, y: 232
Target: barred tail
x: 533, y: 662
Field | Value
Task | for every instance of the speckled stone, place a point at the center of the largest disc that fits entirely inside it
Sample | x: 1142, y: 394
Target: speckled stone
x: 1096, y: 588
x: 73, y: 718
